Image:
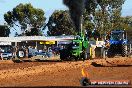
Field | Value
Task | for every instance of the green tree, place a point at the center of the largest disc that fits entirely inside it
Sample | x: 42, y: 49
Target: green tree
x: 24, y: 16
x: 126, y: 23
x: 4, y: 31
x: 59, y: 23
x: 107, y: 15
x: 88, y: 25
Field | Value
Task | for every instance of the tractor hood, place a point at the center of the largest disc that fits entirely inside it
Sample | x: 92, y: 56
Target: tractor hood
x: 118, y: 42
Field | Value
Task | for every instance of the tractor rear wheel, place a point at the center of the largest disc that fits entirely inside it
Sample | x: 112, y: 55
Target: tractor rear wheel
x: 85, y: 55
x: 124, y: 50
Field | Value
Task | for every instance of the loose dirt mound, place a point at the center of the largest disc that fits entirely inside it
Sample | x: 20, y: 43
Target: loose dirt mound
x: 112, y: 62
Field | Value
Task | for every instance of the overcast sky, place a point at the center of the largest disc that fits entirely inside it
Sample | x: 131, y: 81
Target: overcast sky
x: 49, y: 6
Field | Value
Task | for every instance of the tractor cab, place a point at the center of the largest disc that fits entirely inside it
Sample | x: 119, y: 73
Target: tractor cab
x: 118, y: 37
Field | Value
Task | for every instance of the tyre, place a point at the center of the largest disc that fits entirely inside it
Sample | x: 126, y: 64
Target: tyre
x: 9, y: 58
x: 21, y: 53
x: 105, y: 53
x: 124, y: 50
x: 29, y: 56
x: 85, y: 81
x: 110, y: 53
x: 85, y: 56
x: 87, y: 53
x: 63, y: 54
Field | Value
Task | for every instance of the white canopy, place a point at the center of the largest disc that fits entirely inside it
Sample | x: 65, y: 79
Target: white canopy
x: 36, y: 38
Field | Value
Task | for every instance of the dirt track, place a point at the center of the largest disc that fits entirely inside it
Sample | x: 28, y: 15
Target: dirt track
x: 63, y: 73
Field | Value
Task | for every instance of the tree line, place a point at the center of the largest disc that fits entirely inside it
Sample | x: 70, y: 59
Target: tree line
x: 99, y: 17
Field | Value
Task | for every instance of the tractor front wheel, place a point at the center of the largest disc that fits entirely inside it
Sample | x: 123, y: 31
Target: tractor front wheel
x: 110, y: 53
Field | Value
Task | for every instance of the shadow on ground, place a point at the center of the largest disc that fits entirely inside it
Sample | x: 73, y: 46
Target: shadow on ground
x: 111, y: 65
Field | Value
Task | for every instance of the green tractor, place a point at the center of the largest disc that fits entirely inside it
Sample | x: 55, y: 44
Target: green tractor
x: 77, y: 49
